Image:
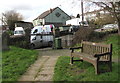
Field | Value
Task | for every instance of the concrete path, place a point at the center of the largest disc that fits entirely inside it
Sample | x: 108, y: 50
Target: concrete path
x: 43, y: 68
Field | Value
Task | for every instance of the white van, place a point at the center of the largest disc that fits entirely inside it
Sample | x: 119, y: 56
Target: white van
x: 19, y: 31
x: 41, y: 36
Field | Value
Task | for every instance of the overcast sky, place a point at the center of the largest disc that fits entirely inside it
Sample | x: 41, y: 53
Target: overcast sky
x: 30, y: 9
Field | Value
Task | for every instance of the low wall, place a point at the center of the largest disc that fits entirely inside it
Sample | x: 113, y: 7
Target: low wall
x: 67, y: 41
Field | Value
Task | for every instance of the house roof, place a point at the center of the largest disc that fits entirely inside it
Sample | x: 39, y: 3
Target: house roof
x: 46, y: 13
x: 23, y: 22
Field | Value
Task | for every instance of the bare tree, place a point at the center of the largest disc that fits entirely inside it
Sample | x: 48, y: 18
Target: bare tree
x: 10, y: 17
x: 113, y: 8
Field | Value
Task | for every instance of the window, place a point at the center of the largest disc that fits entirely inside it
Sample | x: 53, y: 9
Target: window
x: 36, y: 30
x: 58, y: 14
x: 20, y: 32
x: 16, y: 32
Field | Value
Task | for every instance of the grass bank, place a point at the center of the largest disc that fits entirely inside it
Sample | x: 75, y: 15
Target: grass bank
x: 15, y: 62
x: 114, y: 40
x: 84, y: 71
x: 81, y: 71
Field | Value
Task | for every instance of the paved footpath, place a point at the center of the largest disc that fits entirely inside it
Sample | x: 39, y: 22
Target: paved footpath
x: 43, y: 68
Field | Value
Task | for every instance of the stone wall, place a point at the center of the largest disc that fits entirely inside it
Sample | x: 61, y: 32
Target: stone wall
x: 67, y: 41
x: 5, y: 41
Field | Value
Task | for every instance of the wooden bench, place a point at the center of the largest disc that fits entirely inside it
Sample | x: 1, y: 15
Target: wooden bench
x: 95, y: 53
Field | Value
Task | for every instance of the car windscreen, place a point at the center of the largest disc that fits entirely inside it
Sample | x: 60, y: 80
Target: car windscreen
x: 18, y: 32
x: 21, y: 32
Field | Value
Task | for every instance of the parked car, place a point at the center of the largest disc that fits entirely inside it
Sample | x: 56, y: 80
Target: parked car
x: 74, y: 28
x: 41, y: 36
x: 19, y: 31
x: 108, y: 27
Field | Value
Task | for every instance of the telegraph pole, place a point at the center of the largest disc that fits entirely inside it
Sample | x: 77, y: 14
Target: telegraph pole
x: 2, y: 19
x: 82, y: 12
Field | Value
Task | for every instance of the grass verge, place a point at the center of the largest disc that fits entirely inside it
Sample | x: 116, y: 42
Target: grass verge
x: 81, y: 71
x: 114, y: 40
x: 15, y: 62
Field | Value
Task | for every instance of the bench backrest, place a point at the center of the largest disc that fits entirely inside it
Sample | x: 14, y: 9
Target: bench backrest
x: 96, y: 48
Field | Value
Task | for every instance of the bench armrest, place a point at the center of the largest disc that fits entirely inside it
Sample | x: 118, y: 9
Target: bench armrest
x: 102, y: 54
x: 75, y: 48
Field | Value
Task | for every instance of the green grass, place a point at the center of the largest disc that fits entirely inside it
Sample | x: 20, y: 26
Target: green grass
x: 81, y: 71
x: 16, y: 61
x: 114, y: 40
x: 85, y: 71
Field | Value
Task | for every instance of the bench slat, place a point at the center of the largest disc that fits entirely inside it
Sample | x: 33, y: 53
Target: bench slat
x: 95, y: 48
x: 96, y: 44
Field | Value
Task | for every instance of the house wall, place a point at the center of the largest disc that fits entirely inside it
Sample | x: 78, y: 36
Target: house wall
x: 57, y: 16
x: 35, y: 22
x: 38, y: 22
x: 92, y: 15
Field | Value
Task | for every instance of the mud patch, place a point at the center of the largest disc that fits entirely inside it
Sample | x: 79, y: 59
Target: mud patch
x: 75, y: 71
x: 44, y: 74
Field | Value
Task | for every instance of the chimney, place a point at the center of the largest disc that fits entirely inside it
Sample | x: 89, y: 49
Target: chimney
x: 50, y: 10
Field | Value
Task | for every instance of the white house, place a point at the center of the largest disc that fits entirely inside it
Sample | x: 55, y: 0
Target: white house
x: 93, y: 14
x: 76, y: 21
x: 54, y: 16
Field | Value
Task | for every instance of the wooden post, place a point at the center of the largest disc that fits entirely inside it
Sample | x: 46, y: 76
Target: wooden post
x: 71, y: 58
x: 82, y: 12
x: 5, y: 41
x: 110, y: 64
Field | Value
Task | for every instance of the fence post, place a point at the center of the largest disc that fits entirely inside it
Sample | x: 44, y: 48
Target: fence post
x: 27, y: 37
x: 5, y: 41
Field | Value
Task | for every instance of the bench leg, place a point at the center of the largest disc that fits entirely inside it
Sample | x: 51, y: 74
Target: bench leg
x: 71, y: 60
x: 110, y: 65
x: 96, y: 69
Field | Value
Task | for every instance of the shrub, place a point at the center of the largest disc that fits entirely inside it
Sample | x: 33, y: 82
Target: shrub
x: 88, y: 34
x: 10, y: 32
x: 19, y: 41
x: 82, y: 34
x: 22, y: 41
x: 93, y: 36
x: 98, y: 36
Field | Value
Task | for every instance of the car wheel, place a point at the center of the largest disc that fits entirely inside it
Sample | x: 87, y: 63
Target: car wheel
x: 32, y: 46
x: 50, y: 43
